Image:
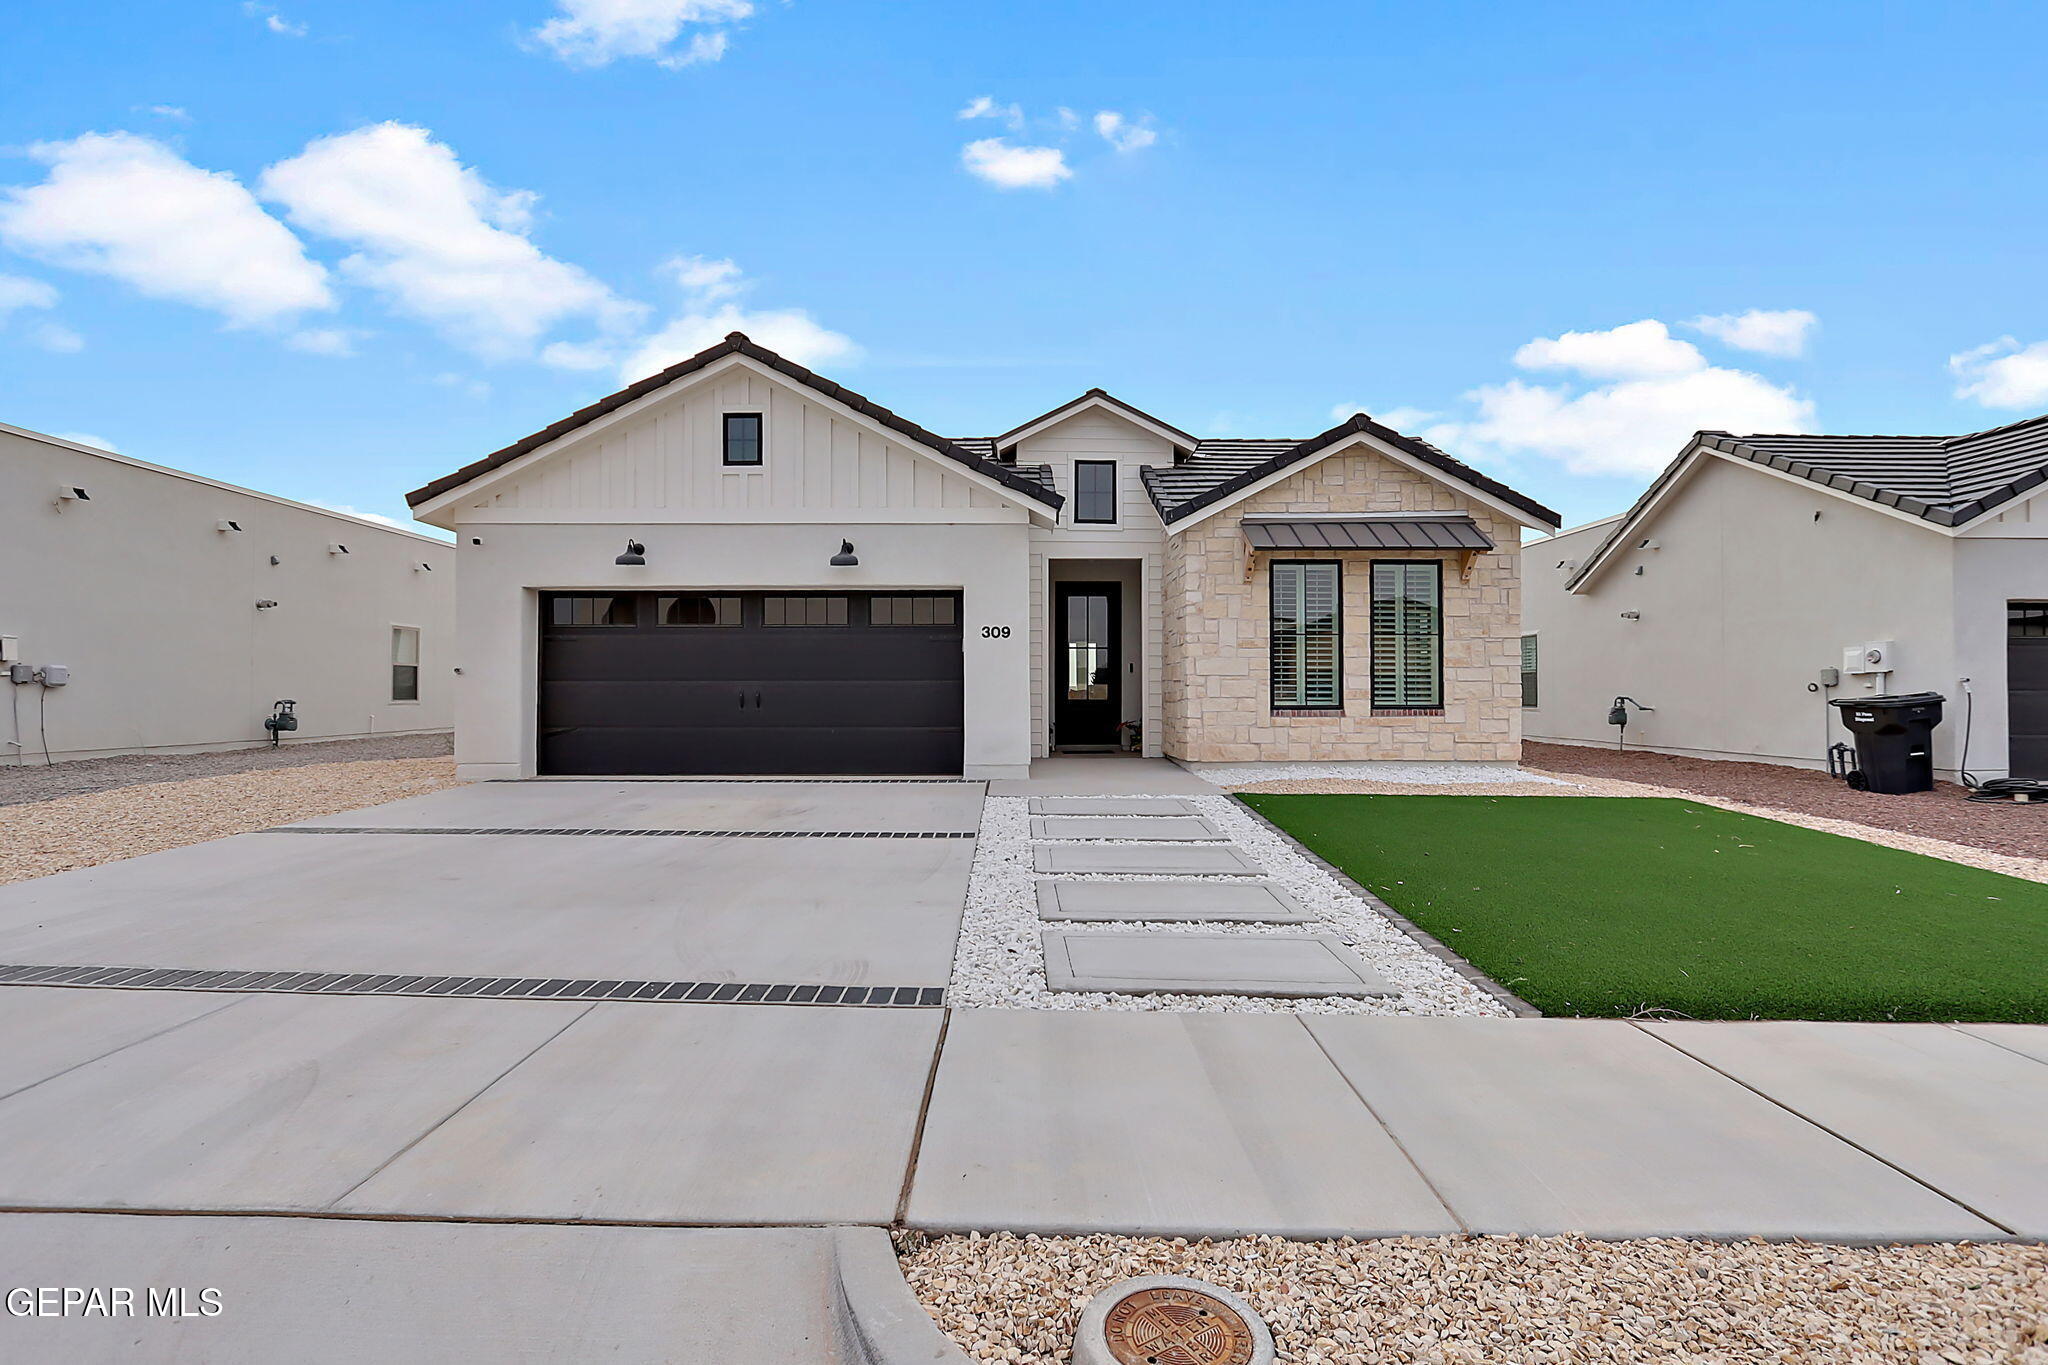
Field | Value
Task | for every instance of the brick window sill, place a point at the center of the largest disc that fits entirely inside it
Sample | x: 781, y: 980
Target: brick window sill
x: 1308, y: 712
x: 1407, y: 710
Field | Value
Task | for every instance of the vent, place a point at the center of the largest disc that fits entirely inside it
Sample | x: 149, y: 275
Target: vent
x: 496, y: 987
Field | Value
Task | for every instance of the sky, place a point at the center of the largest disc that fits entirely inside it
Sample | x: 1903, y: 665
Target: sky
x: 334, y: 250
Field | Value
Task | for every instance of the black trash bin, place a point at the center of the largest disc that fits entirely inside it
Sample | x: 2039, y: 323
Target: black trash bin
x: 1894, y: 739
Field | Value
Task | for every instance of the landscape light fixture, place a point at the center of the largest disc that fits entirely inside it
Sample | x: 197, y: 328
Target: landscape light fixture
x: 636, y: 553
x: 846, y: 558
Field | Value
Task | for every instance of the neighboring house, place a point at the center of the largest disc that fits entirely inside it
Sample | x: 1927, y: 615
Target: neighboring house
x: 180, y: 609
x: 826, y: 587
x: 1754, y: 563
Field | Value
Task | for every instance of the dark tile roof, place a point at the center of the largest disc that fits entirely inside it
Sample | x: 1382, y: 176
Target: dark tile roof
x: 1943, y: 480
x: 736, y: 343
x: 1105, y: 396
x: 1366, y: 533
x: 1218, y: 469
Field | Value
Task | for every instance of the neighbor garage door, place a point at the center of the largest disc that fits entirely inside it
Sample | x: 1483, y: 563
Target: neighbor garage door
x: 750, y: 683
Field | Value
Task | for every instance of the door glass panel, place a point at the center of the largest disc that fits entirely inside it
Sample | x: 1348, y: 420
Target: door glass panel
x: 1088, y: 652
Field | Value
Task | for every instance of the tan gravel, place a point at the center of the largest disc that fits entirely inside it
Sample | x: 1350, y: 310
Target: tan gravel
x: 1578, y: 784
x: 42, y: 837
x: 1518, y: 1301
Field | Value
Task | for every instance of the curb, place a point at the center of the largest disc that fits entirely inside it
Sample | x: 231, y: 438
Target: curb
x: 880, y: 1320
x: 1428, y: 942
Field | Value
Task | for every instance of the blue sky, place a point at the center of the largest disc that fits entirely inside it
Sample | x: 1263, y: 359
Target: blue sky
x: 334, y: 250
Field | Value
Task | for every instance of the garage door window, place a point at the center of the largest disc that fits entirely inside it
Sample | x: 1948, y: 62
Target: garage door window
x: 595, y: 611
x: 697, y: 610
x: 803, y: 611
x: 911, y: 611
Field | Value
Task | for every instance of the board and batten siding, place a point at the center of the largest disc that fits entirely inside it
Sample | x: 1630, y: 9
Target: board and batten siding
x: 671, y: 458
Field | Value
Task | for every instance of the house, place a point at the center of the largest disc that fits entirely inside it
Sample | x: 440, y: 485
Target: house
x: 147, y: 610
x: 1760, y: 577
x: 737, y: 566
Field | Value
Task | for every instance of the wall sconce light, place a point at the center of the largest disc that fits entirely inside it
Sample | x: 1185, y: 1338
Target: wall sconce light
x: 636, y: 553
x: 846, y: 558
x: 266, y: 604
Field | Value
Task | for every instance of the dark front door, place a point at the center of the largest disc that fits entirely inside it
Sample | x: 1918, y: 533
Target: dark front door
x: 749, y: 683
x: 2026, y: 682
x: 1087, y: 664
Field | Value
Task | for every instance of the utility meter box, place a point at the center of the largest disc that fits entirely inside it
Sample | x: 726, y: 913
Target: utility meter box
x: 1872, y: 656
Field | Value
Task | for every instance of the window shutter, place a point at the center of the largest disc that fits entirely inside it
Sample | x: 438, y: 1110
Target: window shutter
x: 1528, y: 670
x: 1307, y: 649
x: 1407, y: 634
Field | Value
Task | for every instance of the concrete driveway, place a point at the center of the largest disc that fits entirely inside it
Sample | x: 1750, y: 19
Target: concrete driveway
x: 830, y: 884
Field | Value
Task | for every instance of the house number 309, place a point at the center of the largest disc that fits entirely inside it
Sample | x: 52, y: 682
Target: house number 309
x: 995, y: 632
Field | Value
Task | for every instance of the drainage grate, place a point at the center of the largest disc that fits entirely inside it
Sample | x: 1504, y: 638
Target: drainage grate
x: 498, y: 987
x: 636, y: 833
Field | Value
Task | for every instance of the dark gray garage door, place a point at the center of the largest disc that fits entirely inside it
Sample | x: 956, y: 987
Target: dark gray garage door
x: 750, y: 683
x: 2026, y: 677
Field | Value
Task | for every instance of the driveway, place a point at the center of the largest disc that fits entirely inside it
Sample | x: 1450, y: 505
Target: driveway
x: 785, y: 883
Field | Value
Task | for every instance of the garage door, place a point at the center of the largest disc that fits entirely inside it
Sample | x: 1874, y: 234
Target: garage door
x: 750, y: 683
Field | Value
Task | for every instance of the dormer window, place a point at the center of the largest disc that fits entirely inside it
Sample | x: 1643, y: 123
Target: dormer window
x: 743, y: 438
x: 1095, y: 492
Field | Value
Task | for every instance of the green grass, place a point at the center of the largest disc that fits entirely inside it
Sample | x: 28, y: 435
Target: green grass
x: 1618, y: 905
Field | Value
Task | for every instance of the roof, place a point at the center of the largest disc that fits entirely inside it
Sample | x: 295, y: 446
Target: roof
x: 1945, y: 481
x: 1218, y: 469
x: 737, y: 343
x: 1447, y: 532
x: 1095, y: 398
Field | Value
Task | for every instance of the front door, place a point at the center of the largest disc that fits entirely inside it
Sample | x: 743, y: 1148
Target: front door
x: 2026, y: 680
x: 1087, y: 667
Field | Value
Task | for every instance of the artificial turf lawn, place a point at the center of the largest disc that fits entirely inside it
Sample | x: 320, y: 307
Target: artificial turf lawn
x: 1614, y: 906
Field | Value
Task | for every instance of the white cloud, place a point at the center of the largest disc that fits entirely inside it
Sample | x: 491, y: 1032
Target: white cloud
x: 474, y: 388
x: 705, y: 278
x: 1124, y: 134
x: 985, y: 106
x: 174, y: 113
x: 55, y: 336
x: 2003, y: 374
x: 19, y: 291
x: 1400, y: 419
x: 128, y: 207
x: 335, y: 341
x: 1634, y: 350
x: 1630, y: 427
x: 1781, y: 333
x: 86, y: 438
x: 438, y: 241
x: 789, y: 332
x: 272, y: 20
x: 598, y: 32
x: 1015, y: 168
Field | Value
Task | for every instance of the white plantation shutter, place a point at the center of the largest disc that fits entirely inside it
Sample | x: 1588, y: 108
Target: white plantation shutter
x: 1307, y: 655
x: 1528, y: 670
x: 1407, y: 634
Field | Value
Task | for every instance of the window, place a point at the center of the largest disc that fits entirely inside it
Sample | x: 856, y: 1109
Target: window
x: 1528, y: 670
x: 697, y: 610
x: 594, y: 611
x: 910, y: 611
x: 1095, y: 491
x: 803, y: 611
x: 405, y: 663
x: 743, y: 438
x: 1307, y: 650
x: 1407, y: 635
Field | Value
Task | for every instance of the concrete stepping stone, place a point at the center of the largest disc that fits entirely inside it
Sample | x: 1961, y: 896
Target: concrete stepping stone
x: 1144, y: 859
x: 1291, y: 966
x: 1189, y: 902
x: 1113, y: 805
x: 1165, y: 827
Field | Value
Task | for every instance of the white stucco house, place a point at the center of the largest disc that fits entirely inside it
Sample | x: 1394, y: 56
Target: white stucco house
x: 737, y: 566
x: 147, y: 610
x: 1754, y: 565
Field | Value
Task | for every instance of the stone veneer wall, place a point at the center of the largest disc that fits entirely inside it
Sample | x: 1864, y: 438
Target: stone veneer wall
x: 1217, y: 703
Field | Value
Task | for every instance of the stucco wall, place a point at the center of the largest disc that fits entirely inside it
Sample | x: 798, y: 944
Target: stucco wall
x: 1745, y: 599
x: 1217, y: 697
x: 154, y: 610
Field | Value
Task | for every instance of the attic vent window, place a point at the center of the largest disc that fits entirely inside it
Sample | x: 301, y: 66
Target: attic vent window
x: 743, y: 438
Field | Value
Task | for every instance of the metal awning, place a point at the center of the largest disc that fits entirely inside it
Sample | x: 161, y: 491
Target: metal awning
x: 1367, y: 533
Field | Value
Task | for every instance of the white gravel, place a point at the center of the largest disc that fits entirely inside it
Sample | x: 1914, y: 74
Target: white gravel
x: 1000, y: 964
x: 1371, y: 770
